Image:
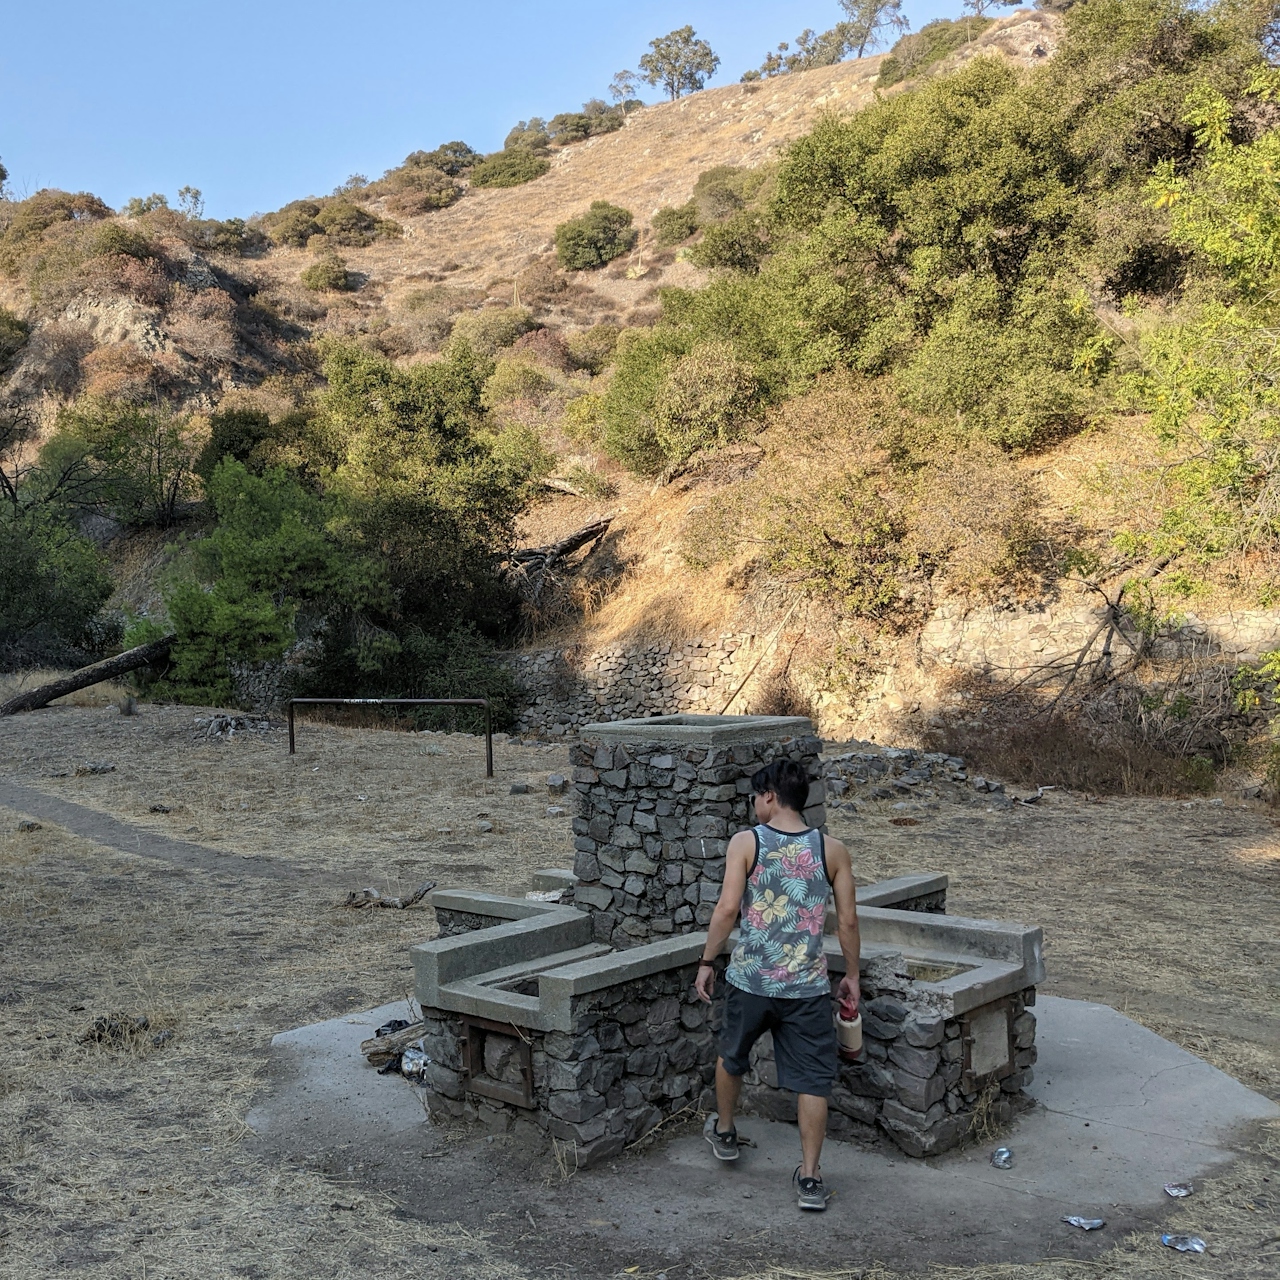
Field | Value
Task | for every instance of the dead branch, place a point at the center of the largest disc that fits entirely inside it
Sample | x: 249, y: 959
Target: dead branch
x: 109, y: 669
x: 382, y: 1049
x: 529, y: 567
x: 359, y: 898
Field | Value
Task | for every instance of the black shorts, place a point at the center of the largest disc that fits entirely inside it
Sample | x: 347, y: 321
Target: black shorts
x: 804, y: 1038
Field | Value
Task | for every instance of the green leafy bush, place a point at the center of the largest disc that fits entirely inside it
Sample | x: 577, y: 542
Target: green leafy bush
x: 451, y: 158
x: 131, y: 462
x: 53, y: 581
x: 237, y: 434
x: 30, y: 219
x: 594, y: 239
x: 115, y: 239
x: 740, y: 243
x: 348, y: 224
x: 724, y: 190
x: 293, y: 225
x: 329, y: 273
x: 420, y: 189
x: 509, y: 168
x: 592, y: 349
x: 675, y: 224
x: 919, y: 50
x: 704, y: 401
x: 515, y: 379
x: 641, y: 364
x: 13, y: 337
x: 493, y: 328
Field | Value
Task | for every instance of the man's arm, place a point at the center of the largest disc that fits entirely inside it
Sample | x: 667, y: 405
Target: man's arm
x: 737, y: 862
x: 841, y: 870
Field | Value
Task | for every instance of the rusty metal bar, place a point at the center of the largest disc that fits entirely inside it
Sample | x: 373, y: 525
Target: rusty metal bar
x: 405, y: 702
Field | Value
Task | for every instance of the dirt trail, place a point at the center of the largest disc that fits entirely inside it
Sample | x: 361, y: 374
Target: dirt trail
x: 118, y: 1158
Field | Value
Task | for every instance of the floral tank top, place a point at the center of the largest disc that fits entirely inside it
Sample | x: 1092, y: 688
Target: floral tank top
x: 779, y: 951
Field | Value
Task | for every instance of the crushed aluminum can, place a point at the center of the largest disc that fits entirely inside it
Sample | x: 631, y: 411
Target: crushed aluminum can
x: 1178, y: 1190
x: 1184, y: 1244
x: 413, y: 1062
x: 390, y: 1028
x: 1002, y: 1158
x: 1086, y: 1224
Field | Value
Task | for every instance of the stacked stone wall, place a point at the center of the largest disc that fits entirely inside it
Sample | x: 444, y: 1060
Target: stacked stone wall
x: 638, y: 1053
x: 653, y: 826
x: 564, y: 689
x: 908, y: 1085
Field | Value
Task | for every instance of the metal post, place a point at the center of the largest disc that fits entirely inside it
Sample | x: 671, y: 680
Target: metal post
x: 291, y: 726
x: 488, y: 739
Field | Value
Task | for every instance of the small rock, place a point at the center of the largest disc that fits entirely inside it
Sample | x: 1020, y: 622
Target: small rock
x: 159, y: 808
x: 484, y: 827
x: 519, y: 788
x: 556, y: 811
x: 1218, y: 803
x: 556, y: 783
x: 28, y: 826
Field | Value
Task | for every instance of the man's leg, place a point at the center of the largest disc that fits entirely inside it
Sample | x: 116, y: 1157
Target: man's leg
x: 728, y: 1090
x: 813, y: 1128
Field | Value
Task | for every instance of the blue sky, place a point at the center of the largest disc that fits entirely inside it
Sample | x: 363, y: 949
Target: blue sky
x: 258, y: 103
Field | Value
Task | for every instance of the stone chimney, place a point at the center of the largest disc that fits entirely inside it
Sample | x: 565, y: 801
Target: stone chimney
x: 658, y: 800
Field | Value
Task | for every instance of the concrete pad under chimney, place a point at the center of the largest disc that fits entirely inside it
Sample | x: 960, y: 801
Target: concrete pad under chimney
x: 1119, y: 1112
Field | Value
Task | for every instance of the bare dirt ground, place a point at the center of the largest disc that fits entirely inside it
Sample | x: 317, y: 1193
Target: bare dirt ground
x: 130, y: 1159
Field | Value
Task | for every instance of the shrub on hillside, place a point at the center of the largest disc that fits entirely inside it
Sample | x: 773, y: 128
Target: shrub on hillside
x: 452, y: 158
x: 329, y: 273
x: 509, y: 168
x: 30, y: 219
x: 641, y: 363
x: 238, y: 434
x: 515, y: 379
x: 705, y: 400
x: 675, y: 224
x: 721, y: 191
x: 418, y: 190
x: 13, y: 337
x: 596, y: 238
x: 116, y: 239
x: 293, y: 225
x: 348, y: 224
x: 489, y: 330
x: 53, y: 581
x: 130, y: 462
x: 918, y: 50
x: 592, y: 349
x: 739, y: 244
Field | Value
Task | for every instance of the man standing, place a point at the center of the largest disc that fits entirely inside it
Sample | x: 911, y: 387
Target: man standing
x: 777, y: 876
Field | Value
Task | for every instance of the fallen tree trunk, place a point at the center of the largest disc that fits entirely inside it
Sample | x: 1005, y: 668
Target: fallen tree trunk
x: 382, y: 1049
x: 108, y: 669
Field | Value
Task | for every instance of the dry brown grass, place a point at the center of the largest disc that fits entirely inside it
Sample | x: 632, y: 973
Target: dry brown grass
x: 120, y: 1164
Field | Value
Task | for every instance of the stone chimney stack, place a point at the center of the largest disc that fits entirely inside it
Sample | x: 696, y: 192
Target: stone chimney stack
x: 658, y: 800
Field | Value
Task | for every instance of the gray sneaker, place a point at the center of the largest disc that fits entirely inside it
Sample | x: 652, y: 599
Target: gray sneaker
x: 813, y: 1195
x: 725, y: 1145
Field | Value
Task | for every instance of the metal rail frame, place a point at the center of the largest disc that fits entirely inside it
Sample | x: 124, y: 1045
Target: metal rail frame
x: 405, y: 702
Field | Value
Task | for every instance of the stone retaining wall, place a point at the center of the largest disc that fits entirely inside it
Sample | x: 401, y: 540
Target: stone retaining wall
x: 566, y: 688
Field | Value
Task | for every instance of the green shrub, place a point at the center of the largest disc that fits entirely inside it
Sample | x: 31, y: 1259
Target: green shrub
x: 740, y: 243
x: 139, y: 206
x: 917, y: 51
x: 720, y: 192
x: 704, y: 401
x: 13, y: 337
x: 583, y: 420
x: 643, y: 359
x: 493, y: 328
x: 675, y: 224
x: 452, y: 158
x: 28, y: 220
x: 597, y: 237
x: 515, y: 379
x: 348, y: 224
x: 420, y: 189
x: 509, y: 168
x: 238, y: 434
x: 115, y: 239
x: 53, y: 581
x: 130, y: 462
x: 230, y: 235
x: 592, y: 349
x: 329, y: 273
x: 293, y: 225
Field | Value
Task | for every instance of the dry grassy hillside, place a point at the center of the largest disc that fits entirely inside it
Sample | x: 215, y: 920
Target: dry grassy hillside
x: 485, y: 239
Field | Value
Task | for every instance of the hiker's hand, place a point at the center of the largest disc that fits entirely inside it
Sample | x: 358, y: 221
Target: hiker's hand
x: 705, y: 982
x: 849, y: 990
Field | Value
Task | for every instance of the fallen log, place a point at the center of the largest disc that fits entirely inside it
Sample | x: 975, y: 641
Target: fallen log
x: 528, y: 568
x: 108, y: 669
x: 382, y: 1049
